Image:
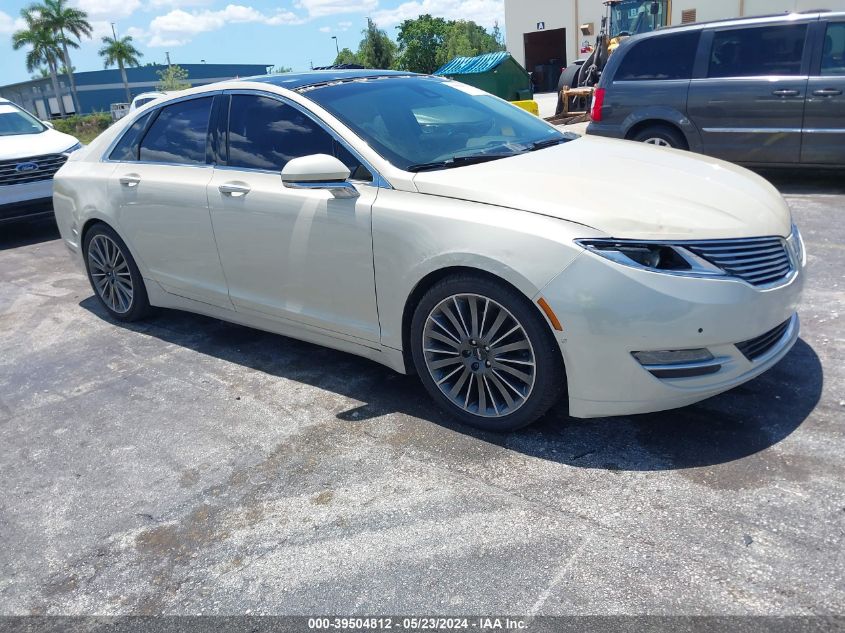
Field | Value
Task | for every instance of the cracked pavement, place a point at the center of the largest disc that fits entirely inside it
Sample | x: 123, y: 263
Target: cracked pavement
x: 184, y: 465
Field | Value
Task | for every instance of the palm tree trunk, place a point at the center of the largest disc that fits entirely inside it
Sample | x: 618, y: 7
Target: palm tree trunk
x: 125, y: 81
x: 69, y: 68
x: 54, y: 76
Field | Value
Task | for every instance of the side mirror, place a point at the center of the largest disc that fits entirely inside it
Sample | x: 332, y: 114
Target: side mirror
x: 49, y: 124
x: 319, y: 171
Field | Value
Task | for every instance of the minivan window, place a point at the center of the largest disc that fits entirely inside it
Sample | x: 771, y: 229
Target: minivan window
x: 127, y: 147
x: 265, y: 133
x: 758, y: 51
x: 179, y: 133
x: 660, y: 57
x: 833, y: 50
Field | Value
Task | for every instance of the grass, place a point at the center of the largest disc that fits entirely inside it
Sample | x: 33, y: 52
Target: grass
x: 85, y: 127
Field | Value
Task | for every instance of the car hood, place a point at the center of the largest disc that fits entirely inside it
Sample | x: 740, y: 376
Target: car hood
x: 29, y: 145
x: 624, y: 189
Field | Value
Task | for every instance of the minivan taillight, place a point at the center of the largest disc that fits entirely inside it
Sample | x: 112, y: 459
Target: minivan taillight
x: 598, y: 102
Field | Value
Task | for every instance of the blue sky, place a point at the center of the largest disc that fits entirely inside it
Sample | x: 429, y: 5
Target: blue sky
x: 291, y: 33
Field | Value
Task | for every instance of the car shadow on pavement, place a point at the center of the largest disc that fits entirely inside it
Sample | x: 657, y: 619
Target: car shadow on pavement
x: 28, y: 232
x: 804, y: 181
x: 734, y: 425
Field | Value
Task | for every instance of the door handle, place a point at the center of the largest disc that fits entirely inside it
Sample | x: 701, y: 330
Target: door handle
x: 787, y: 92
x: 827, y: 92
x: 130, y: 181
x: 234, y: 190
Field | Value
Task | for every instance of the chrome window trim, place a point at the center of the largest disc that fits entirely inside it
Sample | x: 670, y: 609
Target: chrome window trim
x: 378, y: 181
x: 104, y: 157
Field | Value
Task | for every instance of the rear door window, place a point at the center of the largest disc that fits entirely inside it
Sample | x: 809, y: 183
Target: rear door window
x: 662, y: 57
x: 758, y: 52
x: 179, y: 134
x: 833, y: 50
x: 127, y: 147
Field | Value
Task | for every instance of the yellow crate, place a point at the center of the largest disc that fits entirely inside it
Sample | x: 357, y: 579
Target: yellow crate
x: 530, y: 105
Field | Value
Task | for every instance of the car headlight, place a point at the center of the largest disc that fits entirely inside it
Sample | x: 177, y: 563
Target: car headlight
x: 72, y: 149
x: 669, y: 258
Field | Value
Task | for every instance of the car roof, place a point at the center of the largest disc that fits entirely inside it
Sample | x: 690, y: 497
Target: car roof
x: 772, y: 18
x: 295, y: 81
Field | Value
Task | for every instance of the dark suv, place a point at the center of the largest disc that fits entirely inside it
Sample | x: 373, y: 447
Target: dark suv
x: 757, y: 91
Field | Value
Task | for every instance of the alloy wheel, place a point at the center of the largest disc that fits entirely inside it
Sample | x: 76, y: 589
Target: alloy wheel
x: 657, y: 141
x: 110, y: 273
x: 479, y: 355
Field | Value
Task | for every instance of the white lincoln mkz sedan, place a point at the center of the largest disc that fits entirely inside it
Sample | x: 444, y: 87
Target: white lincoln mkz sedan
x: 437, y: 229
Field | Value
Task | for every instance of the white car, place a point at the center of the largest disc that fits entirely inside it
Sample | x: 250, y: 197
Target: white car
x: 30, y: 153
x: 144, y: 98
x: 436, y: 229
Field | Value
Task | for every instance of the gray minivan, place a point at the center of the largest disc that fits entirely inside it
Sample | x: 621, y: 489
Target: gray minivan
x: 757, y: 91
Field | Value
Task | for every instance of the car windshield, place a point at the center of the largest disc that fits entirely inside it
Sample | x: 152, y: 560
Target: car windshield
x: 428, y: 123
x: 14, y: 121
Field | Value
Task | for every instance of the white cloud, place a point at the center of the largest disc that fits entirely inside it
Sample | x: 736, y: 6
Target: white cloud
x: 483, y: 12
x: 177, y: 4
x: 344, y: 26
x: 325, y: 29
x: 320, y: 8
x: 178, y: 27
x: 9, y: 25
x: 99, y: 30
x: 108, y: 10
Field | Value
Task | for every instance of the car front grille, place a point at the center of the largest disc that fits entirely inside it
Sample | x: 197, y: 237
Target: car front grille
x: 754, y: 348
x: 759, y: 261
x: 12, y: 174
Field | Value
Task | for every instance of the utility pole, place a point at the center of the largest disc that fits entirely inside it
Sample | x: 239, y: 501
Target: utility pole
x: 336, y: 45
x: 167, y: 55
x: 113, y: 34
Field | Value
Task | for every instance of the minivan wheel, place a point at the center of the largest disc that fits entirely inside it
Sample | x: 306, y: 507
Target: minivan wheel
x: 662, y: 136
x: 113, y: 274
x: 485, y: 354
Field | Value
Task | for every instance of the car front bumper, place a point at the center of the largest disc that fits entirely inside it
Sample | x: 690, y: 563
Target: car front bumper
x: 18, y: 202
x: 609, y: 311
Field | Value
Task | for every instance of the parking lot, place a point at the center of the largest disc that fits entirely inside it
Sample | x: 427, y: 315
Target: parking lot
x: 186, y: 465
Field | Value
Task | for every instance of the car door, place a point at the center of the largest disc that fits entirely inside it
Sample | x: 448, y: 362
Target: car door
x: 293, y: 254
x: 824, y: 115
x: 159, y: 190
x: 748, y: 97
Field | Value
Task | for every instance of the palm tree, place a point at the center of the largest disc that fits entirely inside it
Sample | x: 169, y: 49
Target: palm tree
x: 45, y: 48
x: 122, y: 52
x: 64, y: 21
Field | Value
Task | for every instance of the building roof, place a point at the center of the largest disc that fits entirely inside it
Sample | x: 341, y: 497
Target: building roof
x: 473, y: 65
x: 294, y: 81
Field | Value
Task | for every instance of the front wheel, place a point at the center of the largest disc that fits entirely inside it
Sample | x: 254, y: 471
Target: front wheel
x: 485, y: 353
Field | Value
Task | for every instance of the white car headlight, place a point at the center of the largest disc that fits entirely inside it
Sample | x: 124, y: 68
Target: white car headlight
x: 665, y: 258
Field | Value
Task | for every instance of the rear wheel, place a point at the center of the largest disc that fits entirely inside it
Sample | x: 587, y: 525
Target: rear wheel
x: 485, y: 354
x: 661, y: 136
x: 113, y: 274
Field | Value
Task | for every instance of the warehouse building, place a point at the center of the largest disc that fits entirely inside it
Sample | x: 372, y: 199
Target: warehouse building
x: 99, y: 89
x: 546, y: 35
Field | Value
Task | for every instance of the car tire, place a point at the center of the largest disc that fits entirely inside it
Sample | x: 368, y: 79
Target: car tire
x: 662, y: 136
x: 494, y: 365
x: 567, y: 78
x: 114, y: 275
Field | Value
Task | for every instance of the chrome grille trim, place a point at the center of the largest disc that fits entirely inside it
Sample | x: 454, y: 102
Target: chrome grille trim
x: 48, y: 165
x: 756, y: 347
x: 759, y: 261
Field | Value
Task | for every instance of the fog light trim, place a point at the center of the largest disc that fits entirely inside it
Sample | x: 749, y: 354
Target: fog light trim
x: 687, y: 363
